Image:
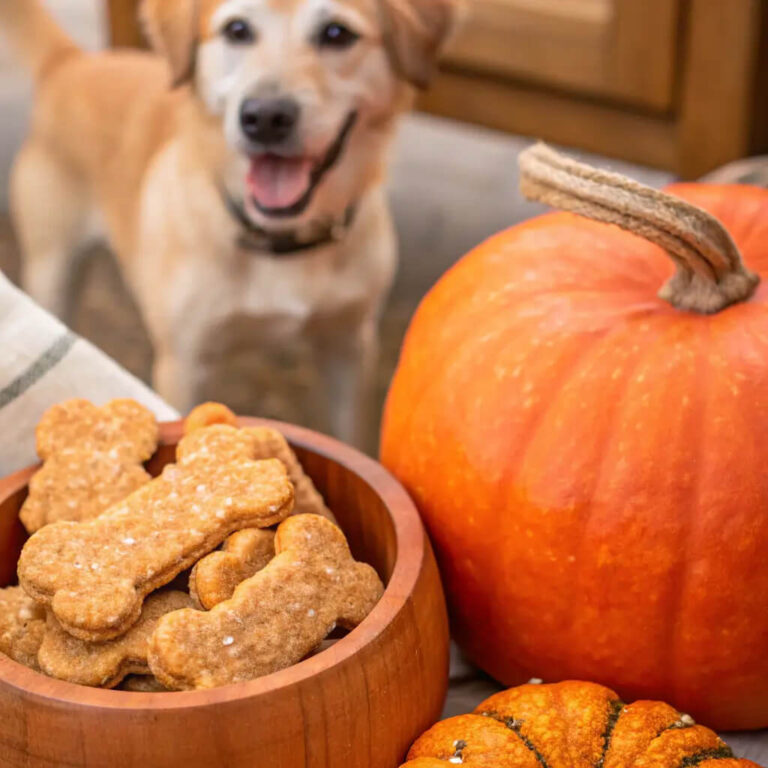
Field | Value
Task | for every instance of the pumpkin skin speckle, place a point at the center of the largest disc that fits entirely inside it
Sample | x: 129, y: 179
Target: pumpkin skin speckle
x: 571, y: 725
x: 590, y: 462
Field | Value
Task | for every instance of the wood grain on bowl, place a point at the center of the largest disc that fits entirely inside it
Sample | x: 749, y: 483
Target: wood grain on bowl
x: 358, y: 704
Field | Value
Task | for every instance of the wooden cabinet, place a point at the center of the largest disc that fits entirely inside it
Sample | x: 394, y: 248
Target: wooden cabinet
x: 594, y: 47
x: 679, y: 84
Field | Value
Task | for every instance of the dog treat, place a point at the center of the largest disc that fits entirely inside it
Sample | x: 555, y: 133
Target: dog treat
x: 95, y: 574
x: 92, y: 459
x: 22, y: 625
x: 142, y: 684
x: 208, y: 414
x: 275, y: 618
x: 104, y: 665
x: 214, y: 579
x: 268, y: 444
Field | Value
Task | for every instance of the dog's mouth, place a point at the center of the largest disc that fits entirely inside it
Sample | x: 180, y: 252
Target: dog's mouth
x: 277, y: 183
x: 283, y: 186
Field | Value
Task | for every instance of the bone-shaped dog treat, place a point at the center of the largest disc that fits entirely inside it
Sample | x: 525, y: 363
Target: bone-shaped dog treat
x: 95, y: 574
x: 275, y: 618
x: 270, y: 444
x: 104, y: 665
x: 22, y: 625
x: 267, y: 444
x: 214, y: 579
x: 208, y: 414
x: 92, y: 459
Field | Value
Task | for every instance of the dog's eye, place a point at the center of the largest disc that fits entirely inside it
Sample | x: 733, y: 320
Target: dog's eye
x: 239, y: 31
x: 336, y: 35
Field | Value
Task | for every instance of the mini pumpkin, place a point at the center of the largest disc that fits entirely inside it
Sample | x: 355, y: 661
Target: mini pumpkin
x: 571, y: 725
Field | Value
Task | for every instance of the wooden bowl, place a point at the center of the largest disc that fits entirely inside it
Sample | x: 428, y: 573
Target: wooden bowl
x: 359, y: 704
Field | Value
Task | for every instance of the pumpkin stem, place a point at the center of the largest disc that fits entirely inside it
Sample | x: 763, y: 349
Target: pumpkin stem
x: 710, y: 272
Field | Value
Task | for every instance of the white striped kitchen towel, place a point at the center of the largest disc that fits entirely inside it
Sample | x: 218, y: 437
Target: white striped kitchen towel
x: 43, y: 363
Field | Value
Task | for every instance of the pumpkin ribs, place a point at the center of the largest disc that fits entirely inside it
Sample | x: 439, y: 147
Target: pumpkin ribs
x: 616, y: 708
x: 514, y: 726
x: 571, y: 725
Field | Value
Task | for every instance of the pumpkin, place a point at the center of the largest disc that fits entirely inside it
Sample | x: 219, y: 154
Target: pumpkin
x: 571, y: 725
x: 589, y: 456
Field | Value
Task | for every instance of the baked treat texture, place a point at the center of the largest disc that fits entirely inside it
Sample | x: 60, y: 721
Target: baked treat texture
x: 92, y: 458
x: 214, y: 579
x: 275, y: 618
x: 95, y: 575
x: 105, y: 665
x: 22, y: 626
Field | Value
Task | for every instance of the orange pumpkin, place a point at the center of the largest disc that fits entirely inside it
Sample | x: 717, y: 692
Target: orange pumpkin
x: 590, y: 460
x: 571, y: 725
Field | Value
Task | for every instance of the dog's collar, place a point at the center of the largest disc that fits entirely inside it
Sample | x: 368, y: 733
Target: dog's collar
x: 287, y: 242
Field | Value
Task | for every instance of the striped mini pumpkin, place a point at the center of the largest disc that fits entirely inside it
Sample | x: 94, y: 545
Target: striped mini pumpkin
x: 571, y: 725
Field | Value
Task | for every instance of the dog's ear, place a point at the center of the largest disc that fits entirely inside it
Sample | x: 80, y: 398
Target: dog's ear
x: 414, y: 32
x: 172, y: 29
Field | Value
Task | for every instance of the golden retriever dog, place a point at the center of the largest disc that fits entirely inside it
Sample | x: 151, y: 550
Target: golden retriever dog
x: 236, y: 173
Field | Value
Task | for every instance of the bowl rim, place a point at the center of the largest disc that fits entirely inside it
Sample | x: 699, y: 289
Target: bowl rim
x: 410, y: 539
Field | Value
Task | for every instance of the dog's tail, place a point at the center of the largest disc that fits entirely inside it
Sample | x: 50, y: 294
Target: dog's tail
x: 35, y: 38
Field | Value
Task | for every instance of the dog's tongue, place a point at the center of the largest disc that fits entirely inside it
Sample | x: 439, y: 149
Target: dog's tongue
x: 279, y: 182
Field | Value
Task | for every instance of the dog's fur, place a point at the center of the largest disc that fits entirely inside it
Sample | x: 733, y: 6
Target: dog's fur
x: 117, y: 148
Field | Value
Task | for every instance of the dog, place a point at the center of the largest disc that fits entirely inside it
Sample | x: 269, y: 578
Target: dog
x: 236, y: 172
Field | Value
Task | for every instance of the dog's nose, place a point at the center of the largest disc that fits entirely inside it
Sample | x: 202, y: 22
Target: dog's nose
x: 269, y: 121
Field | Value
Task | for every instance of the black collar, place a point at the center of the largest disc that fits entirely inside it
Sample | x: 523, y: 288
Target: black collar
x: 287, y: 242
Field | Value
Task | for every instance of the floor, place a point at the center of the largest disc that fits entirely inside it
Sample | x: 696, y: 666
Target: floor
x: 451, y: 187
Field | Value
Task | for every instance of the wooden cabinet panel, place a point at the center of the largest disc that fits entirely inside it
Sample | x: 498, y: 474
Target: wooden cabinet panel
x: 725, y: 83
x: 620, y: 49
x: 678, y: 84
